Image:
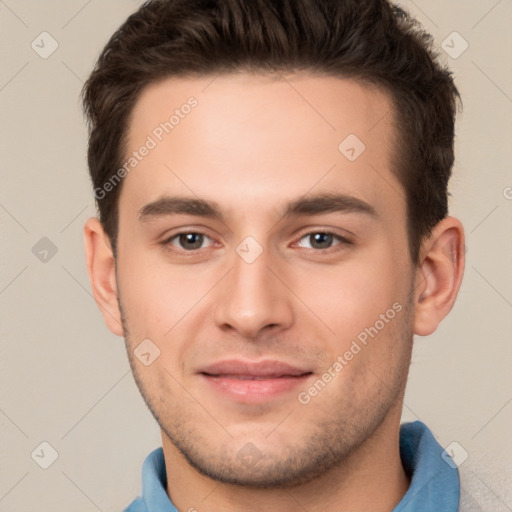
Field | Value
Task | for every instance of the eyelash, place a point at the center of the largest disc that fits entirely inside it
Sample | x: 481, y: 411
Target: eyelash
x: 342, y: 241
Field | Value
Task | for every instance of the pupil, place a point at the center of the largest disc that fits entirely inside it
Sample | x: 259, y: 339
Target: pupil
x: 191, y: 240
x: 320, y: 238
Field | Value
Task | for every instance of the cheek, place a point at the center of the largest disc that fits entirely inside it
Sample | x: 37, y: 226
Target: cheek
x: 364, y: 306
x: 351, y: 297
x: 156, y: 296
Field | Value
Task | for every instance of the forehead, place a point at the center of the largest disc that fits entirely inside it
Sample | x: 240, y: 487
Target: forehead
x: 244, y: 138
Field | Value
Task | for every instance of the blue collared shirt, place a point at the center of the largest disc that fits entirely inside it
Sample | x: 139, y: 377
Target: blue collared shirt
x: 434, y: 483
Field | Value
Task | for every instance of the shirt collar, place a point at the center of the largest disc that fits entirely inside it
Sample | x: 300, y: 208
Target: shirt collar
x: 154, y: 481
x: 434, y: 482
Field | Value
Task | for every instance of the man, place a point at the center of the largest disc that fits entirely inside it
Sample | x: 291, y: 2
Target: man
x: 271, y: 180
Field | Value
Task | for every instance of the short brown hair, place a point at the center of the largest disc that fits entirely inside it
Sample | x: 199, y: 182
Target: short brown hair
x: 373, y: 41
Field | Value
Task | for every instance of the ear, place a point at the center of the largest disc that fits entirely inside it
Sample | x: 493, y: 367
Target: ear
x: 439, y: 275
x: 101, y: 267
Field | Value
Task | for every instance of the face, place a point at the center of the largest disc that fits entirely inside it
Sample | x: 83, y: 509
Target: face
x: 265, y: 257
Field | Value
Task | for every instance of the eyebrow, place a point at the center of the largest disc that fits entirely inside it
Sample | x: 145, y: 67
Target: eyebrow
x: 312, y: 205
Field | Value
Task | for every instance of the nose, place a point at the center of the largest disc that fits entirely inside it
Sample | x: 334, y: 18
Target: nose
x: 253, y: 298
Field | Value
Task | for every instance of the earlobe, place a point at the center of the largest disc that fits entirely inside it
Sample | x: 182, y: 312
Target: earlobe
x: 102, y: 273
x: 439, y: 275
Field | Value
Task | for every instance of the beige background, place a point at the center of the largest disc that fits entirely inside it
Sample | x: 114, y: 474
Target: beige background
x: 65, y: 379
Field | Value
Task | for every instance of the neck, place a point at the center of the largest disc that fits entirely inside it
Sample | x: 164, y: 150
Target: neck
x: 370, y: 478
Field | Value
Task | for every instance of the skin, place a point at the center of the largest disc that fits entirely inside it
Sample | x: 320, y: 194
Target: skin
x: 253, y: 144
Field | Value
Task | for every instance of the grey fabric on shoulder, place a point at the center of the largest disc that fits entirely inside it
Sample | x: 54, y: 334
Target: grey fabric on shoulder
x: 476, y: 495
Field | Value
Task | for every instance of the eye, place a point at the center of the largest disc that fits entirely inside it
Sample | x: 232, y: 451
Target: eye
x: 187, y: 240
x: 191, y: 241
x: 322, y: 240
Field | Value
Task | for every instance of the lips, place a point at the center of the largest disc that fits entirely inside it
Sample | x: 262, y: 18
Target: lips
x: 245, y: 370
x: 253, y: 382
